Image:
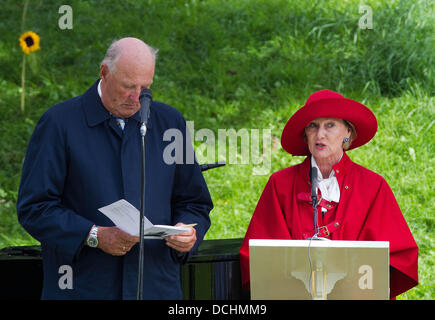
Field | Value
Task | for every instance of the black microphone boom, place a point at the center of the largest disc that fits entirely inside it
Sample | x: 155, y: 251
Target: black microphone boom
x: 205, y: 167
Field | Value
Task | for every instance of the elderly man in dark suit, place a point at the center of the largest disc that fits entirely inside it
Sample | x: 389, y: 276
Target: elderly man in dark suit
x: 85, y: 154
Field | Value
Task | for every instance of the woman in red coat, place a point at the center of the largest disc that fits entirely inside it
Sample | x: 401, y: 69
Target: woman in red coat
x: 354, y: 203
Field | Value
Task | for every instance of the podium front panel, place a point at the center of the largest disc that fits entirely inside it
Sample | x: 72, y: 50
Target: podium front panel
x: 303, y: 269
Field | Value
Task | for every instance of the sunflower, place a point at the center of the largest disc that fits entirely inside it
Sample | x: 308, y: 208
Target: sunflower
x: 29, y: 42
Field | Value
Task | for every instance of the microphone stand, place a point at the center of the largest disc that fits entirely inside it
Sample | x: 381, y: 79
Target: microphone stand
x: 316, y: 222
x: 313, y: 177
x: 143, y: 131
x: 145, y: 99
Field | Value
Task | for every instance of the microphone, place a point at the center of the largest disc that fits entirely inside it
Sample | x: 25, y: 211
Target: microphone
x: 205, y: 167
x: 145, y: 99
x: 313, y: 179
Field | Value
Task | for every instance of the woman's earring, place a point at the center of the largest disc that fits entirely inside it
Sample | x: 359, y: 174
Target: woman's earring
x: 346, y: 143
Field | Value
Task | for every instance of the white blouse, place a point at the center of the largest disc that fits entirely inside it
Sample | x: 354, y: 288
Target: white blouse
x: 328, y: 187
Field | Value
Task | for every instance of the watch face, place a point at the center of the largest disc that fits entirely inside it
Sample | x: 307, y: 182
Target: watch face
x: 92, y: 242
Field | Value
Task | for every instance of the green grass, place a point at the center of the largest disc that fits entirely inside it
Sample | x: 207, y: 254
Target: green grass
x: 242, y: 64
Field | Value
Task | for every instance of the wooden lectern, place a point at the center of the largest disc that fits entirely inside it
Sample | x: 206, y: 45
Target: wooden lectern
x: 313, y: 269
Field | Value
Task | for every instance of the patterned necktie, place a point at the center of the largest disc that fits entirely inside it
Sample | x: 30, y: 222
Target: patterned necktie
x: 121, y: 123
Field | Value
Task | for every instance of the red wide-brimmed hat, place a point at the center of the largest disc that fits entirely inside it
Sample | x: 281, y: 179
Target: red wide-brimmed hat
x: 328, y: 104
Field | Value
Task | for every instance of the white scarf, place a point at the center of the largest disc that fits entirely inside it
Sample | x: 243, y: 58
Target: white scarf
x: 329, y: 186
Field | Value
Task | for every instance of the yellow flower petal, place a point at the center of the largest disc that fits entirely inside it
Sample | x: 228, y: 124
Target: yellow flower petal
x: 29, y: 42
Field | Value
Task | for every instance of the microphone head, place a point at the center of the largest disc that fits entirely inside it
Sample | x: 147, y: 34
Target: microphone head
x: 145, y: 94
x: 145, y: 99
x: 313, y: 178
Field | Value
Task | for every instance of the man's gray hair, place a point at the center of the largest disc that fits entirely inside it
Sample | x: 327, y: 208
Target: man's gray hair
x: 114, y: 52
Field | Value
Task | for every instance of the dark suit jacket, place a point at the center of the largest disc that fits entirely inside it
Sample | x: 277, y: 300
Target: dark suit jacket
x: 79, y: 160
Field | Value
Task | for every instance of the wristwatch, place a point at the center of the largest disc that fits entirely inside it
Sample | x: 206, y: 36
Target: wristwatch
x: 92, y: 240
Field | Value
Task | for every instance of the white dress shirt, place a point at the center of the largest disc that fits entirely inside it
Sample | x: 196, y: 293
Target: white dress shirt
x: 120, y: 121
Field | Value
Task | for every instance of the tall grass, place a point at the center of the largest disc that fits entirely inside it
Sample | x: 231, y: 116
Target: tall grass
x: 242, y: 64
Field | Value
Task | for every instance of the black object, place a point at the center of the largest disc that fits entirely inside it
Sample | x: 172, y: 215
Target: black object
x: 145, y: 102
x: 21, y: 273
x: 211, y: 273
x: 313, y: 179
x: 205, y: 167
x: 145, y: 99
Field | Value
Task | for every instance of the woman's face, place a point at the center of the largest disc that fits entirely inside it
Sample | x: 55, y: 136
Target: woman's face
x: 325, y: 139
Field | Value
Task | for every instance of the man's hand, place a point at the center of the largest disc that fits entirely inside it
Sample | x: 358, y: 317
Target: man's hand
x: 114, y: 241
x: 182, y: 242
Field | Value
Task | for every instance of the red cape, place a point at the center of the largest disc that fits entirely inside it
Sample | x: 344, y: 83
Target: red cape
x: 367, y: 211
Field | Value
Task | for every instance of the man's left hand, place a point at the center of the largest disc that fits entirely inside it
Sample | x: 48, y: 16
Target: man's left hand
x: 182, y: 242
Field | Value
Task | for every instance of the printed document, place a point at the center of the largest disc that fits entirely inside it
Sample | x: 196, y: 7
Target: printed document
x: 126, y: 217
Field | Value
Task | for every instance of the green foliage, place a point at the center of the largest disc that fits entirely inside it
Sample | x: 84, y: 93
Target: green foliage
x: 241, y: 64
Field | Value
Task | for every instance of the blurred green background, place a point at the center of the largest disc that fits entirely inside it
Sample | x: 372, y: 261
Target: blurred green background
x: 241, y: 64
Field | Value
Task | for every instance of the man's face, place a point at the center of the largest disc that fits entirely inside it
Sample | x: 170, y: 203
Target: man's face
x: 121, y: 89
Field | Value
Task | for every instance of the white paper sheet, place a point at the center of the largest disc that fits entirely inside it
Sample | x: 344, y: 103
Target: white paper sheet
x: 126, y: 217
